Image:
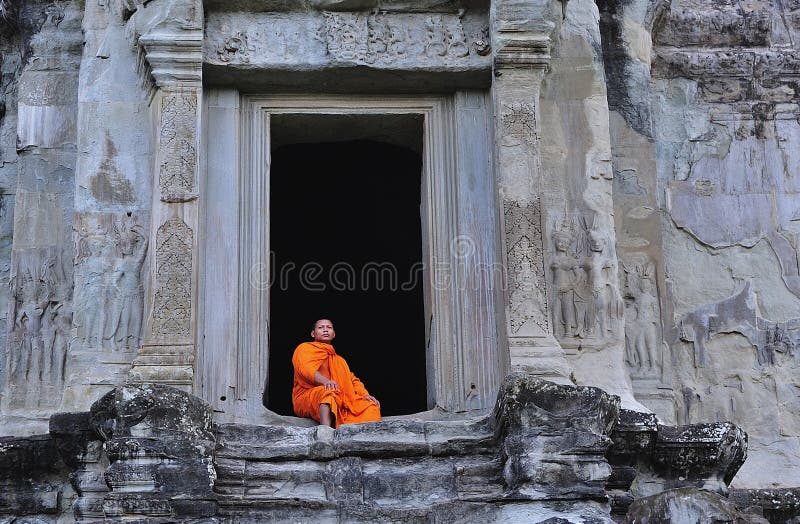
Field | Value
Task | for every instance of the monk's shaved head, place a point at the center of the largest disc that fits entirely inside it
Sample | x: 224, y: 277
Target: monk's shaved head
x: 320, y: 320
x: 323, y: 331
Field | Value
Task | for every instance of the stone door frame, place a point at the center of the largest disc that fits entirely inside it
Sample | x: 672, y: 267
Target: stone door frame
x: 463, y: 371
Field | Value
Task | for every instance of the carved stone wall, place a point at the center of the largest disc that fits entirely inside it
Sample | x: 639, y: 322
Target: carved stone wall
x: 662, y: 266
x: 39, y: 273
x: 705, y: 125
x: 576, y: 184
x: 111, y: 226
x: 729, y: 173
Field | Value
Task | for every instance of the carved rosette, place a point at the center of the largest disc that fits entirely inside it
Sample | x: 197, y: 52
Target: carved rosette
x: 172, y: 308
x: 177, y: 146
x: 527, y: 290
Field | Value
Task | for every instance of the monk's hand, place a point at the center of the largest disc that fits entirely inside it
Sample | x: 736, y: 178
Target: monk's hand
x: 373, y: 400
x: 331, y: 386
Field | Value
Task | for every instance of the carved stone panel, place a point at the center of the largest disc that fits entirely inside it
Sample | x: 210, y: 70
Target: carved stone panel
x: 643, y: 338
x: 527, y: 289
x: 382, y: 38
x: 177, y: 149
x: 40, y: 321
x: 376, y: 39
x: 519, y: 126
x: 235, y: 46
x: 587, y: 307
x: 172, y: 308
x: 109, y: 292
x: 774, y: 343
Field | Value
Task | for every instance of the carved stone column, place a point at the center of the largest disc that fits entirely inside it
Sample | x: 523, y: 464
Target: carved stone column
x: 521, y: 41
x: 173, y: 50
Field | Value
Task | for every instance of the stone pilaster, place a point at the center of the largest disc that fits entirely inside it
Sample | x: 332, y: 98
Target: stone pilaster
x: 173, y: 51
x: 521, y: 48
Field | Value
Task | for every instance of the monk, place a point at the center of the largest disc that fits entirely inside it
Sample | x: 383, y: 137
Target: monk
x: 324, y: 387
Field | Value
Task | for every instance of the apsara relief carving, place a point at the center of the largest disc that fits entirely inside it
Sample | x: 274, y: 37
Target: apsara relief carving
x: 642, y: 319
x: 109, y: 296
x: 607, y: 305
x: 172, y: 309
x: 587, y: 306
x: 39, y: 333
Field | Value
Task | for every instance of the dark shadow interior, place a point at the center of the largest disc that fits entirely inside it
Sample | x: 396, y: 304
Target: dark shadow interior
x: 346, y: 244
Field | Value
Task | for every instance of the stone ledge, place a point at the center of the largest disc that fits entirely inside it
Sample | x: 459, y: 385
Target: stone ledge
x: 777, y: 505
x: 385, y: 438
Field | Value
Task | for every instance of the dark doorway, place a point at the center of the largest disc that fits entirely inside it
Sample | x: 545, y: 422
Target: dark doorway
x: 346, y: 244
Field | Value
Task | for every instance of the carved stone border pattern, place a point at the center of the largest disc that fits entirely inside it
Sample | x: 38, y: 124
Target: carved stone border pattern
x: 519, y: 125
x: 525, y: 257
x: 177, y: 146
x: 172, y: 308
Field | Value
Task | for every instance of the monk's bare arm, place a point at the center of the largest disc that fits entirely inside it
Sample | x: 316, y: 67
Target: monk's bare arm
x: 322, y: 380
x: 362, y: 390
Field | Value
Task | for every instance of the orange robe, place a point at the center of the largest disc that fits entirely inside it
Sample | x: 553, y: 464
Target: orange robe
x: 348, y: 405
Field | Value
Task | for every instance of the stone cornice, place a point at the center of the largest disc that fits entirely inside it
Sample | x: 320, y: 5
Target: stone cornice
x: 175, y: 58
x: 522, y: 51
x: 170, y: 34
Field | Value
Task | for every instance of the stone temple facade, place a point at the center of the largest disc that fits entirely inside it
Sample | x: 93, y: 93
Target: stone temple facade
x: 610, y: 228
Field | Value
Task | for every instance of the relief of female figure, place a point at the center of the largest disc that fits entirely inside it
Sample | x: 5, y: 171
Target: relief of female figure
x: 127, y: 290
x: 646, y: 342
x: 28, y: 324
x: 607, y: 303
x: 566, y: 275
x: 91, y: 299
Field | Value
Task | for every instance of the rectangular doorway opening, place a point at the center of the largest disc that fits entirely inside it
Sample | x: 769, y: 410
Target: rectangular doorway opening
x: 346, y: 244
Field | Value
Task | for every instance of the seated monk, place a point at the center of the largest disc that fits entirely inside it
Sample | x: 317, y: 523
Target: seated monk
x: 324, y: 387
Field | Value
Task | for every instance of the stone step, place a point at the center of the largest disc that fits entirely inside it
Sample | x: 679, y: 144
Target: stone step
x: 378, y: 439
x: 406, y: 466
